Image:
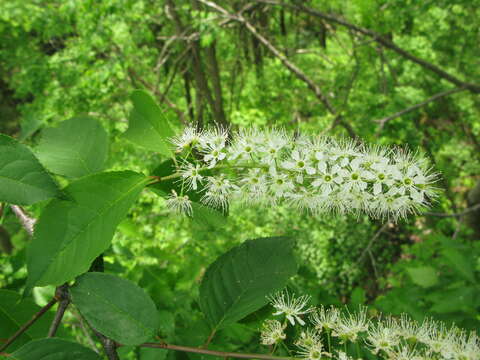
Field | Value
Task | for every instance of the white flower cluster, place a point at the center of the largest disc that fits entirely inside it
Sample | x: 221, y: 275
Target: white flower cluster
x: 272, y: 332
x: 386, y: 338
x: 313, y: 173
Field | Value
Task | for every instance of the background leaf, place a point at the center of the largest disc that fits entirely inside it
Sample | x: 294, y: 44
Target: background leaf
x: 70, y: 234
x: 15, y: 312
x: 237, y: 283
x: 424, y: 276
x: 54, y: 349
x: 23, y: 180
x: 148, y: 126
x: 75, y: 148
x: 116, y: 307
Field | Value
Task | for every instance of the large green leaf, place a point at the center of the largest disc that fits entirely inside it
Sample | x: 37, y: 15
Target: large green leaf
x: 116, y: 307
x: 15, y: 312
x: 23, y: 180
x: 54, y: 349
x: 77, y: 147
x: 237, y: 283
x: 148, y: 126
x: 70, y: 234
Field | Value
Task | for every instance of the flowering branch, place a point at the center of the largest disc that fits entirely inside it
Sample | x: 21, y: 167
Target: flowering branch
x: 316, y: 174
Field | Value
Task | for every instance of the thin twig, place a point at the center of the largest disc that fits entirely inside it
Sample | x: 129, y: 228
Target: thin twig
x: 419, y: 105
x: 459, y: 214
x: 210, y: 338
x: 214, y: 352
x: 62, y: 295
x: 109, y: 346
x: 372, y: 240
x: 27, y: 325
x: 84, y: 329
x: 27, y: 222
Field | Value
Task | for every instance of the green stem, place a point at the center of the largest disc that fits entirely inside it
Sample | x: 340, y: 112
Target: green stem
x: 329, y: 340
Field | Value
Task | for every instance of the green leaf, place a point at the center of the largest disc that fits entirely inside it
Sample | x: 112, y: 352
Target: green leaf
x: 148, y: 126
x: 201, y: 213
x: 460, y: 259
x: 77, y: 147
x: 116, y: 307
x: 70, y: 234
x: 23, y: 180
x: 15, y: 312
x: 424, y: 276
x: 54, y: 349
x: 457, y: 299
x: 237, y: 283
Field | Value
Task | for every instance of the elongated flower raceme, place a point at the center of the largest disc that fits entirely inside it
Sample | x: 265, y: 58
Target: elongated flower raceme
x: 316, y: 174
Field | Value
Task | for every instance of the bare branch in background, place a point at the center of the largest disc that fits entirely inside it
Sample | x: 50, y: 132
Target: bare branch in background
x: 419, y: 105
x: 475, y: 88
x: 27, y: 222
x: 459, y: 214
x: 320, y: 95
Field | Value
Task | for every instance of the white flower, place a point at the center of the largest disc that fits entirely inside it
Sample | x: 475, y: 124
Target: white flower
x: 213, y: 154
x: 291, y: 306
x: 327, y: 180
x: 190, y: 138
x: 217, y: 192
x: 343, y: 356
x: 191, y: 175
x: 306, y: 199
x: 468, y: 347
x: 276, y: 141
x: 384, y: 336
x: 382, y: 175
x: 280, y: 183
x: 404, y: 352
x: 214, y: 138
x: 356, y: 177
x: 325, y: 318
x: 299, y: 162
x: 310, y: 344
x: 180, y: 204
x: 411, y: 331
x: 254, y: 186
x: 245, y: 145
x: 272, y: 332
x: 376, y: 157
x: 350, y: 326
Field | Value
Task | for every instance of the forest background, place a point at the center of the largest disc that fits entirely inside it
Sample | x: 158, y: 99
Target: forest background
x: 386, y: 72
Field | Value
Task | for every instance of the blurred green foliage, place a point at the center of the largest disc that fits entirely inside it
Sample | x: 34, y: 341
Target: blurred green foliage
x: 63, y: 58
